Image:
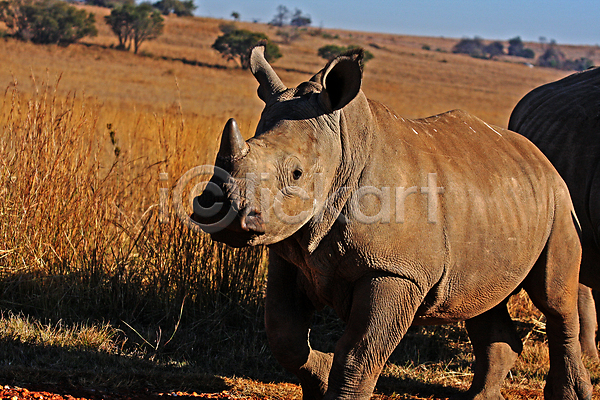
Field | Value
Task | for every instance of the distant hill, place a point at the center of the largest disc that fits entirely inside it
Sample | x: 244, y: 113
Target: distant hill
x: 416, y: 76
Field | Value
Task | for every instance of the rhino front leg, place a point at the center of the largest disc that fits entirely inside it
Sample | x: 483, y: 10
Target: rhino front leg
x: 288, y: 312
x: 587, y: 322
x: 496, y: 346
x: 383, y: 307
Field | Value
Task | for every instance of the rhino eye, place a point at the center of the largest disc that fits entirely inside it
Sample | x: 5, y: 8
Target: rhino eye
x: 297, y: 174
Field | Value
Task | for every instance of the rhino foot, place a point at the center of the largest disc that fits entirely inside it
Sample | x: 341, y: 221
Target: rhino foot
x: 313, y: 375
x: 496, y: 346
x: 483, y: 395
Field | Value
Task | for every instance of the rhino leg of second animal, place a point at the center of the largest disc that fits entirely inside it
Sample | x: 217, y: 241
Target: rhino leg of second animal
x: 383, y: 307
x: 288, y: 312
x: 587, y: 322
x: 496, y: 346
x: 596, y: 294
x: 553, y: 285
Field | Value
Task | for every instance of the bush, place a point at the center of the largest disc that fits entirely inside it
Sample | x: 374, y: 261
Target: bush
x: 236, y: 45
x: 473, y: 47
x: 47, y: 21
x: 109, y: 3
x: 183, y: 8
x: 330, y: 51
x: 552, y: 57
x: 516, y: 47
x: 527, y: 53
x: 494, y: 49
x: 580, y: 64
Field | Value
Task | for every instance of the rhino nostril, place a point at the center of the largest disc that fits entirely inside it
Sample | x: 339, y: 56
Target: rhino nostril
x: 251, y: 220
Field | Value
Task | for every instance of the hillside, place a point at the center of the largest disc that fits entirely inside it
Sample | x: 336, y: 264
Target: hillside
x: 412, y: 81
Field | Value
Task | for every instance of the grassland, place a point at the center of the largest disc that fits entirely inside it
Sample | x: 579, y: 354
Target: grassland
x: 98, y: 289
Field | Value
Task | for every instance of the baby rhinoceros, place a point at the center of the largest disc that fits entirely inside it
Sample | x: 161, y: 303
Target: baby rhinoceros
x: 394, y: 222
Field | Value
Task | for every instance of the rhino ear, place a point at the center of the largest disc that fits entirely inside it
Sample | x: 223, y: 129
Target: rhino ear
x: 341, y: 79
x: 270, y: 83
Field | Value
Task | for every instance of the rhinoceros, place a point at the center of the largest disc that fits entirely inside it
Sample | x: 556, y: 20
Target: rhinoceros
x: 394, y: 222
x: 563, y: 119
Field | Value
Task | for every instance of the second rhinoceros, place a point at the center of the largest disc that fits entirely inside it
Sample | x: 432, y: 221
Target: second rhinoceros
x: 394, y: 222
x: 562, y: 119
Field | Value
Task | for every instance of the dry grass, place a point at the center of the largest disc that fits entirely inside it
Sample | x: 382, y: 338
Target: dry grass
x: 95, y: 290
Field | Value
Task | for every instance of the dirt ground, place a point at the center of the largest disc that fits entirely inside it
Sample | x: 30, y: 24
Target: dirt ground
x: 55, y: 393
x: 50, y: 393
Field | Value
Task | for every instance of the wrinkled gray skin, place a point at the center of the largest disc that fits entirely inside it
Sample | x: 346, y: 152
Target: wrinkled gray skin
x: 495, y: 218
x: 563, y: 119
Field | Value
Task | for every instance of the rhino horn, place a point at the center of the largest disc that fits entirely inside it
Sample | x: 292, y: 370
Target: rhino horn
x: 233, y: 146
x: 270, y: 83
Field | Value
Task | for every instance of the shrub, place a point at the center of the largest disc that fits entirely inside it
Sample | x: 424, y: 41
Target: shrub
x: 331, y: 51
x: 473, y: 47
x: 180, y: 8
x: 108, y: 3
x: 494, y: 49
x: 527, y: 53
x: 580, y: 64
x: 552, y: 57
x: 47, y: 21
x: 236, y: 45
x: 516, y: 47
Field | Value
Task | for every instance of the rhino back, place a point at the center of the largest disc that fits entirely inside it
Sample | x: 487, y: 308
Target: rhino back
x: 563, y: 119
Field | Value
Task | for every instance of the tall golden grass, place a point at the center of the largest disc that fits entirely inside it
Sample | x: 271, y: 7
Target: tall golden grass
x: 81, y: 225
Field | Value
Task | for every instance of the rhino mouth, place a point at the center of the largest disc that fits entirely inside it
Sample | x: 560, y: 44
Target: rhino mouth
x: 227, y: 222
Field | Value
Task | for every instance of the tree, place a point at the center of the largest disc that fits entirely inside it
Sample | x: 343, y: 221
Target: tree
x: 108, y: 3
x: 135, y: 24
x: 473, y: 47
x: 120, y: 21
x: 147, y: 25
x: 181, y: 8
x: 552, y: 57
x: 580, y: 64
x: 516, y: 47
x: 235, y: 15
x: 299, y: 20
x: 237, y: 43
x: 280, y: 19
x: 494, y: 49
x: 47, y: 21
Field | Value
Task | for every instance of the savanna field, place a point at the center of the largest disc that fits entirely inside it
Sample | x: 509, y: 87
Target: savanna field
x: 104, y: 293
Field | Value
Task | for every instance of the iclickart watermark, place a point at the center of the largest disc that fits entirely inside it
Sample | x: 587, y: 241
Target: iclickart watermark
x: 390, y: 204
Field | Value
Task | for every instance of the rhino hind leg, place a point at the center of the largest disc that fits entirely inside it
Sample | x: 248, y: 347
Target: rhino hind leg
x: 553, y: 285
x: 496, y: 346
x: 287, y: 321
x: 588, y: 323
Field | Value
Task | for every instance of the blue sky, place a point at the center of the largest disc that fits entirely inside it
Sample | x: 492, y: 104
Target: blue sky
x: 567, y: 21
